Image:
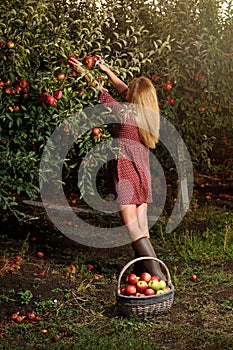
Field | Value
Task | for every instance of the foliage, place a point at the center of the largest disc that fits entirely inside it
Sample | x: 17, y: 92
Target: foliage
x: 173, y: 41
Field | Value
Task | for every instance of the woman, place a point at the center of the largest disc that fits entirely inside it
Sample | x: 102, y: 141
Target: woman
x: 131, y: 173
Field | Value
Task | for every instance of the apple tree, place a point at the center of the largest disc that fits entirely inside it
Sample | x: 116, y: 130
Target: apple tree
x: 39, y: 89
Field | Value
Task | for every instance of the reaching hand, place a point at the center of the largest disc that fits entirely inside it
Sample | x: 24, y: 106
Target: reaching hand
x: 77, y: 65
x: 100, y: 63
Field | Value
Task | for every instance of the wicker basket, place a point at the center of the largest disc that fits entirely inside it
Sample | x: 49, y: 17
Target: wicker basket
x: 146, y: 306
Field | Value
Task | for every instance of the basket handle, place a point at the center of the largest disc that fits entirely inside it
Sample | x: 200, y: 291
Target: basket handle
x: 138, y: 259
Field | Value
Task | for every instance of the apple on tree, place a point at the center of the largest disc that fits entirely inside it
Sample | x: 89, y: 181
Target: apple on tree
x: 51, y: 100
x: 57, y: 94
x: 10, y: 44
x: 96, y: 131
x: 23, y: 83
x: 61, y: 76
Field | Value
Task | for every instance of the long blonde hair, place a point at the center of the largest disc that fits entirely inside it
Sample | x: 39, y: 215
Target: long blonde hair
x: 142, y: 94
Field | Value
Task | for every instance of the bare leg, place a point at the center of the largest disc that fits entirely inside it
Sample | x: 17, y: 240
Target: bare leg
x: 143, y: 219
x: 129, y: 216
x: 135, y: 219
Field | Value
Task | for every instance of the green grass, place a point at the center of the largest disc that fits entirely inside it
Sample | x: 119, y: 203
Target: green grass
x: 85, y: 314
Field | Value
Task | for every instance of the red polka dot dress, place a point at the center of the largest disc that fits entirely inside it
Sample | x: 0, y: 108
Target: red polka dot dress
x: 130, y: 172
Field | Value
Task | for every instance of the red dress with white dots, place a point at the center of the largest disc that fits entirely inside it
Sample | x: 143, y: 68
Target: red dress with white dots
x: 131, y: 170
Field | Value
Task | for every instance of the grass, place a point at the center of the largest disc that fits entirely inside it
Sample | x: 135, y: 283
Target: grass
x: 78, y: 311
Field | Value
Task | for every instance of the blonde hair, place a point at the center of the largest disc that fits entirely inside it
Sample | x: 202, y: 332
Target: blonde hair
x: 143, y: 94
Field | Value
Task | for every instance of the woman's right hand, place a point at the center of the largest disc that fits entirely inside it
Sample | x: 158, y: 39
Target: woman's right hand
x: 77, y: 65
x: 102, y: 65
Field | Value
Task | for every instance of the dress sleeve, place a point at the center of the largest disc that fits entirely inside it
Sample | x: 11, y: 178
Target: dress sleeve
x: 109, y: 101
x: 123, y: 94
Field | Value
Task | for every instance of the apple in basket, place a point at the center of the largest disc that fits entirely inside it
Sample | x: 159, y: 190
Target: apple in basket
x: 145, y: 276
x: 141, y: 286
x: 130, y: 289
x: 149, y: 292
x: 154, y: 277
x: 155, y: 284
x: 132, y: 279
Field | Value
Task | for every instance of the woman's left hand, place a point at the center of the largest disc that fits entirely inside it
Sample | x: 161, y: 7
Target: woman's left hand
x: 77, y: 65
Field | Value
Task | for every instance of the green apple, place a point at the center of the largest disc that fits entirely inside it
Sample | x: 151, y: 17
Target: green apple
x: 160, y: 291
x: 154, y: 284
x: 162, y: 284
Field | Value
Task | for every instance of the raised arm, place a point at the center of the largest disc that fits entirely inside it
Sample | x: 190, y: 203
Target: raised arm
x: 78, y: 67
x: 117, y: 82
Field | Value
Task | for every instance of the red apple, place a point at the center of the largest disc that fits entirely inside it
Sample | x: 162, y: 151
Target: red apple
x: 57, y: 94
x: 61, y: 76
x: 154, y: 277
x: 141, y: 286
x: 122, y: 291
x: 130, y: 289
x: 193, y: 278
x: 80, y: 94
x: 96, y: 131
x: 31, y: 315
x: 168, y: 85
x: 24, y: 83
x: 51, y: 100
x: 72, y: 57
x: 96, y: 58
x: 73, y: 73
x: 145, y: 276
x: 17, y: 257
x: 90, y: 62
x: 149, y: 291
x: 14, y: 316
x: 18, y: 88
x: 10, y: 44
x: 202, y: 108
x: 42, y: 273
x: 132, y: 279
x: 38, y: 318
x: 72, y: 269
x: 171, y: 101
x: 155, y: 77
x: 90, y: 267
x: 19, y: 319
x: 40, y: 254
x: 8, y: 82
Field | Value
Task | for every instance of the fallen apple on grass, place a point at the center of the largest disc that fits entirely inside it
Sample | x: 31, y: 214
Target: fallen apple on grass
x: 193, y: 278
x: 40, y: 254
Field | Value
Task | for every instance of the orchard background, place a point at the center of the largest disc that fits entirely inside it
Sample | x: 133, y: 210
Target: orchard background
x: 56, y: 293
x: 185, y: 47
